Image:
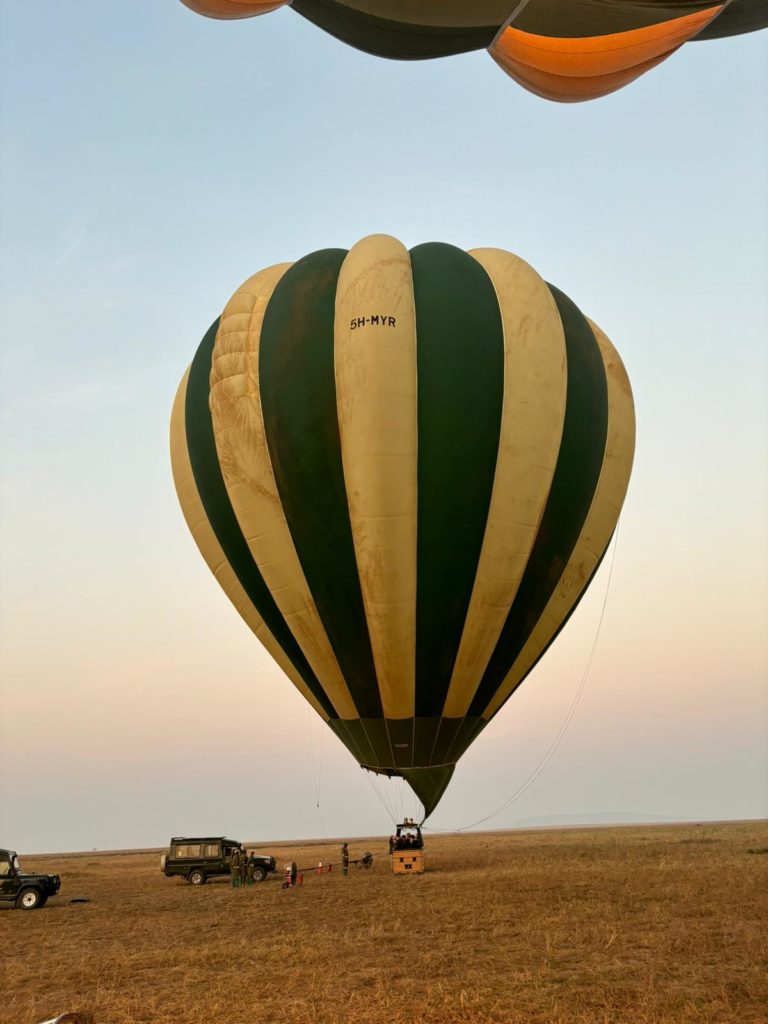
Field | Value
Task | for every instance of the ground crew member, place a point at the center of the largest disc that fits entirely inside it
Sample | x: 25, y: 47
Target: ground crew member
x: 344, y: 859
x: 243, y: 867
x: 250, y: 869
x: 234, y: 868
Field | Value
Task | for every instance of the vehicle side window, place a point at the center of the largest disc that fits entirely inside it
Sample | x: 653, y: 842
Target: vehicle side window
x: 5, y: 867
x: 180, y: 852
x: 213, y: 850
x: 194, y: 851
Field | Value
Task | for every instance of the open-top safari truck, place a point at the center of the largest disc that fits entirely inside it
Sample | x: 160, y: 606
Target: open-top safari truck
x: 27, y: 890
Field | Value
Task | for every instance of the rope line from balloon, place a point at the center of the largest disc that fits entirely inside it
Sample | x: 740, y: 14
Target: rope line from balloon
x: 317, y: 770
x: 379, y: 797
x: 552, y: 749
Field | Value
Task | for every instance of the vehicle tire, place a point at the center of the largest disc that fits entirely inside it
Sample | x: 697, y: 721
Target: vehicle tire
x: 259, y: 873
x: 196, y: 877
x: 29, y: 899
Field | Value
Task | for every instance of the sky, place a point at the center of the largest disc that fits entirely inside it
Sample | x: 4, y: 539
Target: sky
x: 151, y: 161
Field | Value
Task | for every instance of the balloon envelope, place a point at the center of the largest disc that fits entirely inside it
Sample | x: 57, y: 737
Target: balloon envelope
x: 564, y: 50
x: 404, y: 469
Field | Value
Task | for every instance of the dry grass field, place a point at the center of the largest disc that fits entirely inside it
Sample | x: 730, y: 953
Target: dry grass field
x: 647, y: 925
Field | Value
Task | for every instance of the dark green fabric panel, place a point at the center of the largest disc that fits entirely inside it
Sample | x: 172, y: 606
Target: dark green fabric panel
x: 740, y: 16
x: 425, y: 733
x: 429, y: 784
x: 352, y: 735
x: 573, y: 486
x: 298, y: 398
x: 209, y: 481
x: 446, y: 735
x: 555, y: 635
x: 376, y: 732
x: 393, y: 744
x: 468, y: 729
x: 400, y: 732
x: 385, y: 37
x: 577, y: 19
x: 460, y: 367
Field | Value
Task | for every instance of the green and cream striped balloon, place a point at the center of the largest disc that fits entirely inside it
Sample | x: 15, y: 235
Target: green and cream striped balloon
x: 403, y: 468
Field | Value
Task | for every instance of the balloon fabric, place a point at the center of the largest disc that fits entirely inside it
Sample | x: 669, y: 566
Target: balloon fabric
x: 566, y: 50
x: 404, y: 468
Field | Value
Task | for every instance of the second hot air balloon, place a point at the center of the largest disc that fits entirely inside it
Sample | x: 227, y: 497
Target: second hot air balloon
x: 564, y: 50
x: 404, y: 469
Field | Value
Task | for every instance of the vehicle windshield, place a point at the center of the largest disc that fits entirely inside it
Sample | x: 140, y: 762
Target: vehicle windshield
x: 15, y: 863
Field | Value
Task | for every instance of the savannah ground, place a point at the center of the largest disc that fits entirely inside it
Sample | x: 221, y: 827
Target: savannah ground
x: 647, y: 925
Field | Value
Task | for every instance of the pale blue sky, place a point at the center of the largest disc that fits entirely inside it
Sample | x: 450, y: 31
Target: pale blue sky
x: 151, y: 161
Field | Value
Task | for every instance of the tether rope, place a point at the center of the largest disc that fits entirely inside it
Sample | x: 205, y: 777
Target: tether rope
x: 317, y: 770
x: 379, y: 797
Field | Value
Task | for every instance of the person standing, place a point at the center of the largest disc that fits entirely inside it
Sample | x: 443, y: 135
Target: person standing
x: 250, y: 869
x: 234, y: 868
x: 345, y: 859
x: 243, y: 867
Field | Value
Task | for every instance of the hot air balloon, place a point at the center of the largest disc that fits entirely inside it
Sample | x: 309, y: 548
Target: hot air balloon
x: 565, y: 50
x: 404, y: 469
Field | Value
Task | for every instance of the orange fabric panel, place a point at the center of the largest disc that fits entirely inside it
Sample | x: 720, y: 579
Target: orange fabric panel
x: 568, y: 89
x: 233, y: 8
x: 597, y: 56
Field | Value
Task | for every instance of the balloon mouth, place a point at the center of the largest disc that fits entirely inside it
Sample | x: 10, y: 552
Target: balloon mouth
x: 428, y: 784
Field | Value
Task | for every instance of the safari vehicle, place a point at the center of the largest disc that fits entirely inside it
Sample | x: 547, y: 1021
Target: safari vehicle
x: 27, y: 890
x: 408, y: 857
x: 198, y: 859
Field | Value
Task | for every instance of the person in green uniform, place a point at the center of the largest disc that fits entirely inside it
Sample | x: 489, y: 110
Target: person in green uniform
x: 344, y: 859
x: 249, y: 869
x: 234, y: 868
x: 243, y: 867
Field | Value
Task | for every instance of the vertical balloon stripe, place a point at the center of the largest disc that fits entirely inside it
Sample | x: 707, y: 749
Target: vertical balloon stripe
x: 598, y: 527
x: 205, y: 538
x: 534, y: 650
x: 213, y: 496
x: 460, y: 365
x: 298, y: 397
x: 531, y: 431
x: 425, y: 732
x: 353, y: 734
x: 243, y: 453
x: 375, y: 364
x: 573, y: 487
x: 453, y: 741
